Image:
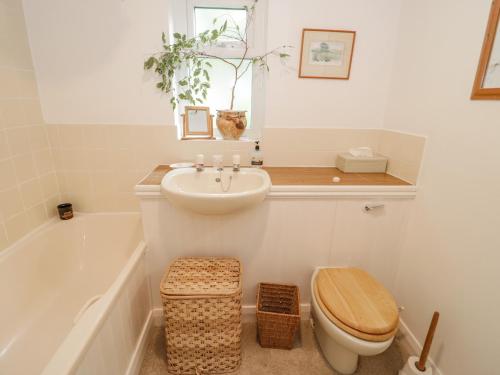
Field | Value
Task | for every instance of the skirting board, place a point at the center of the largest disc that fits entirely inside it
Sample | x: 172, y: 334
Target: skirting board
x: 134, y: 365
x: 409, y: 344
x: 247, y: 312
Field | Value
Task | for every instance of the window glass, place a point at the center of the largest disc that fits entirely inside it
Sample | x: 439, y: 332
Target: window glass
x: 221, y: 81
x: 236, y: 21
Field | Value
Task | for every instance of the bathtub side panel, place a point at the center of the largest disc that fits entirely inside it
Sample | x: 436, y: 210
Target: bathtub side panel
x: 119, y: 338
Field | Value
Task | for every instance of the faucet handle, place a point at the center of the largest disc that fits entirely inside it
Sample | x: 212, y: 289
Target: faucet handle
x: 217, y: 161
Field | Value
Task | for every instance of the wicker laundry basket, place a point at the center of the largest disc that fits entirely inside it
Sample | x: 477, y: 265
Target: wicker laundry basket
x: 202, y: 310
x: 278, y: 315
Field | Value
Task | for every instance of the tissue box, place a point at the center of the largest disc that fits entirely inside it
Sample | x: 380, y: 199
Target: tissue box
x: 359, y: 164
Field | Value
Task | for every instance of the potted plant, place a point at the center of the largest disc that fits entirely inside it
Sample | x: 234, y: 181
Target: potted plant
x: 184, y: 69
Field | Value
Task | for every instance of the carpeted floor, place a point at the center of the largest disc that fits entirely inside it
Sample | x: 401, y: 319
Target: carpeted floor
x: 305, y: 358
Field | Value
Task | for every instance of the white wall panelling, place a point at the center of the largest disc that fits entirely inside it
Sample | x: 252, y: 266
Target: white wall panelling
x: 281, y: 240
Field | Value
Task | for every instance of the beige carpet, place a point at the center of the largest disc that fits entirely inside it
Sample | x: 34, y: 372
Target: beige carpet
x: 305, y: 358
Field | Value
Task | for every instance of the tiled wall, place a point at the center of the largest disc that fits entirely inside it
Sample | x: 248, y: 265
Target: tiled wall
x: 98, y: 165
x: 28, y: 185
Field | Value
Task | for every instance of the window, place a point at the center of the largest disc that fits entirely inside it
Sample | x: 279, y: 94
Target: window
x: 202, y: 15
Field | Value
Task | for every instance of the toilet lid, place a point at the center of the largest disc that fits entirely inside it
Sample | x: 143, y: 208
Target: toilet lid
x: 357, y: 300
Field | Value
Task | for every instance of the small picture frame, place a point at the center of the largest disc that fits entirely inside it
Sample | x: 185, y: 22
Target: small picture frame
x: 326, y: 54
x: 197, y: 123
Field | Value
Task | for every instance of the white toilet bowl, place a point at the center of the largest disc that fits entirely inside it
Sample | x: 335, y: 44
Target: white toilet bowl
x: 340, y: 348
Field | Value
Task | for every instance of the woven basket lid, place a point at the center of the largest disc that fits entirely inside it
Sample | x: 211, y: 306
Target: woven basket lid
x: 200, y: 276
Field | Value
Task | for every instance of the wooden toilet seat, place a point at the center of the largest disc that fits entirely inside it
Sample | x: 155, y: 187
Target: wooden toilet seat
x: 356, y: 303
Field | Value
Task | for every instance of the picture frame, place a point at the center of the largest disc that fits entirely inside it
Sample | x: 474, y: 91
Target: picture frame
x: 487, y: 82
x: 326, y: 54
x: 197, y: 123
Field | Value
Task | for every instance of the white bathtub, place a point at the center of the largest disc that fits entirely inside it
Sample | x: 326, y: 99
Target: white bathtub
x: 75, y: 298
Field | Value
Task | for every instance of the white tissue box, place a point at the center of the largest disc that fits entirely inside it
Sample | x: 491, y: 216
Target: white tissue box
x: 361, y: 164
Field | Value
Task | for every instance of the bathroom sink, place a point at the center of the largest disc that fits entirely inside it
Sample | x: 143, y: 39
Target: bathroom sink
x: 212, y: 192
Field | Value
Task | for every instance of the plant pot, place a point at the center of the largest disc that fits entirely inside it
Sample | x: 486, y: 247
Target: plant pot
x: 231, y: 124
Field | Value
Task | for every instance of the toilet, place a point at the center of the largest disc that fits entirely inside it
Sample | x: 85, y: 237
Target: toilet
x: 352, y: 314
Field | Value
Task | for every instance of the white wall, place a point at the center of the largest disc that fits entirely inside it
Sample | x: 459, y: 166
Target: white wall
x: 311, y: 103
x: 451, y: 255
x: 88, y: 58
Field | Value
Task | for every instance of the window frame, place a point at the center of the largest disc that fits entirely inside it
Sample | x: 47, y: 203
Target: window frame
x: 182, y: 21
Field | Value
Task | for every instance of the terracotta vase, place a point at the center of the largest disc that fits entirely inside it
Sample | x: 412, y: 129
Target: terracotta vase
x: 231, y: 124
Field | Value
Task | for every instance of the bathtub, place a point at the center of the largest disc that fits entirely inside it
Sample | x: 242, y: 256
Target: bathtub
x: 75, y: 298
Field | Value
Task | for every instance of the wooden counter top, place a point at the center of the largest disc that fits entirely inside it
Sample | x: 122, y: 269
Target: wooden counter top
x: 302, y: 176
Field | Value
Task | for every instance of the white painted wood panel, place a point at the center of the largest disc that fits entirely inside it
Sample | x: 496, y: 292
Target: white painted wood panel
x: 281, y: 240
x: 370, y: 240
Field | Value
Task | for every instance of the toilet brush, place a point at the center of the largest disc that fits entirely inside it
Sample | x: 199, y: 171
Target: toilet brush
x: 420, y: 366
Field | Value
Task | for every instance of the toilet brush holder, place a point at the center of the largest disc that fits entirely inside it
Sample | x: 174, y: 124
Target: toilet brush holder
x: 411, y: 368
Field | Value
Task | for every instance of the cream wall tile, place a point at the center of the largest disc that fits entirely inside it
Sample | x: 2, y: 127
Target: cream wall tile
x: 14, y: 112
x: 3, y: 122
x: 33, y: 112
x: 74, y: 159
x: 49, y: 185
x: 37, y: 215
x: 4, y: 146
x: 98, y: 159
x: 17, y: 226
x: 96, y: 136
x: 53, y: 135
x: 44, y: 162
x: 24, y: 167
x: 4, y: 241
x: 31, y: 192
x: 18, y: 140
x: 70, y: 136
x: 122, y: 159
x: 7, y: 174
x: 38, y: 138
x: 104, y: 182
x: 120, y: 137
x: 106, y: 202
x: 28, y: 184
x: 51, y: 205
x: 405, y: 153
x: 11, y: 203
x: 78, y: 182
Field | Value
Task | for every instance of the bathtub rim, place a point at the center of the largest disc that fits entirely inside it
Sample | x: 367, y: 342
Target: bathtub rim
x: 73, y: 348
x: 14, y: 246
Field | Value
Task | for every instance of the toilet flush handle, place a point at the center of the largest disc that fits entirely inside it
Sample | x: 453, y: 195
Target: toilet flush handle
x: 372, y: 206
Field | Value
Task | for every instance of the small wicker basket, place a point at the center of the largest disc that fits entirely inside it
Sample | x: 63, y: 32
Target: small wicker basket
x: 202, y: 310
x: 278, y: 315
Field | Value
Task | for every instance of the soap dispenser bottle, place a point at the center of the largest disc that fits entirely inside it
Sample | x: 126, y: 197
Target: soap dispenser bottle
x: 257, y: 157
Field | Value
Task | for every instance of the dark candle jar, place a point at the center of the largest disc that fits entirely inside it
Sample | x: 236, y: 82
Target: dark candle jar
x: 65, y: 211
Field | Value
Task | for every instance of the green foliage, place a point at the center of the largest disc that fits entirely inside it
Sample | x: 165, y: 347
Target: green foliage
x: 183, y: 67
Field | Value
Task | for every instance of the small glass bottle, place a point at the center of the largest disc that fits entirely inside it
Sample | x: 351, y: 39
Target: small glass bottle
x: 257, y: 156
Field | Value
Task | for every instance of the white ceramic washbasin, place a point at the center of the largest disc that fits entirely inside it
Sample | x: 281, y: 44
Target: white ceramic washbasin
x: 201, y: 192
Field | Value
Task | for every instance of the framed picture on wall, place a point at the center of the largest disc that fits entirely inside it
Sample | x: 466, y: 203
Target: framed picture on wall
x: 326, y: 53
x: 487, y: 83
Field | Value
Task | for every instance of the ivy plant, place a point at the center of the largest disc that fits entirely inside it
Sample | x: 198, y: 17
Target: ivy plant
x: 184, y: 67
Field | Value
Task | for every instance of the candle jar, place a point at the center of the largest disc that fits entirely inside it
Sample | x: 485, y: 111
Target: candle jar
x: 65, y: 211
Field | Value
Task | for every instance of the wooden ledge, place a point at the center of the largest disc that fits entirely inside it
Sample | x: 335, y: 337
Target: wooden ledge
x: 318, y: 176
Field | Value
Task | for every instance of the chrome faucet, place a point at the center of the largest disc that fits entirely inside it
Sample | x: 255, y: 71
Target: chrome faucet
x: 218, y: 162
x: 236, y: 163
x: 200, y: 165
